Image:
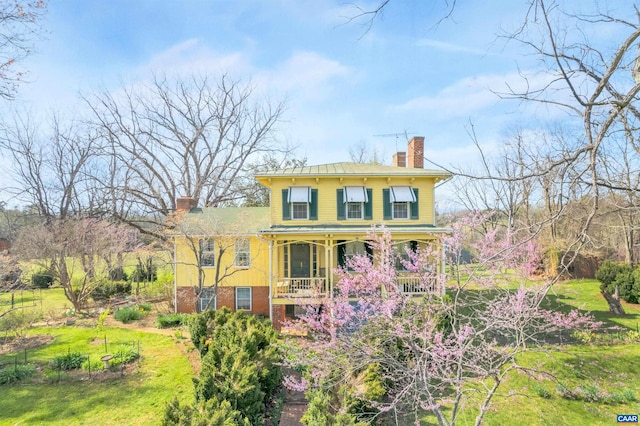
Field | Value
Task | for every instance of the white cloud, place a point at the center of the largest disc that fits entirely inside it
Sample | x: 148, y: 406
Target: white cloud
x: 450, y: 47
x: 471, y: 94
x: 307, y: 74
x: 191, y: 56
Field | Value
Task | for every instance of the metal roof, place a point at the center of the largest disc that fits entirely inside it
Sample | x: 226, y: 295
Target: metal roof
x: 353, y: 169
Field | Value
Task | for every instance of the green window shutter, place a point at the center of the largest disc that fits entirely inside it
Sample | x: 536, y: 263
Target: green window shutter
x: 369, y: 250
x: 342, y: 215
x: 386, y: 204
x: 313, y: 207
x: 368, y: 206
x: 286, y: 211
x: 414, y: 206
x: 341, y: 250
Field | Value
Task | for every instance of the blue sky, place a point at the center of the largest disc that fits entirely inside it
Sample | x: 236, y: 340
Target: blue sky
x: 343, y: 85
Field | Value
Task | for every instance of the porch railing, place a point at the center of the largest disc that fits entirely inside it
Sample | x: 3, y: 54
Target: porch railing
x: 300, y: 287
x: 413, y: 285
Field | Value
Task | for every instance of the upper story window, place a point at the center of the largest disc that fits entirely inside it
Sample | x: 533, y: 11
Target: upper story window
x: 355, y: 198
x: 207, y: 252
x: 354, y: 202
x: 242, y: 253
x: 400, y: 202
x: 299, y: 199
x: 299, y: 203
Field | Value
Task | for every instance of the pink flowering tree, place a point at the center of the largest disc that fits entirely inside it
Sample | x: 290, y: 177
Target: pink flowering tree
x: 76, y: 252
x: 379, y: 354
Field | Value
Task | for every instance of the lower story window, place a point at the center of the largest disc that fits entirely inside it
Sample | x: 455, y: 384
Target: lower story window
x: 207, y: 299
x: 243, y: 298
x: 293, y: 311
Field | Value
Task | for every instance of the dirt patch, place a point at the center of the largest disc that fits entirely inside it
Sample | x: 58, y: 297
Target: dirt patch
x: 18, y: 344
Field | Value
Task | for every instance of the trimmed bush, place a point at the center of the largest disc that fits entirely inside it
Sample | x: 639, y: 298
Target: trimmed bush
x: 607, y: 273
x: 240, y: 368
x: 625, y: 283
x: 41, y: 279
x: 622, y: 276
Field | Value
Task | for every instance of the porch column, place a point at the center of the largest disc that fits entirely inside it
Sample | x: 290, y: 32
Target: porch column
x: 275, y: 266
x: 443, y: 266
x: 330, y: 266
x: 271, y: 281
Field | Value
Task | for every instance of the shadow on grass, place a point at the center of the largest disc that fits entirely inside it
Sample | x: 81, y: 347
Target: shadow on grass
x: 581, y: 297
x: 610, y: 320
x: 77, y: 402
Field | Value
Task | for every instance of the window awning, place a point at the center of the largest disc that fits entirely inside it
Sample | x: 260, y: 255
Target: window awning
x: 355, y: 194
x: 402, y: 194
x: 299, y: 194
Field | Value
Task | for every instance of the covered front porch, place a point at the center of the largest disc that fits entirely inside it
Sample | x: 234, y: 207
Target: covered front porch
x: 302, y: 266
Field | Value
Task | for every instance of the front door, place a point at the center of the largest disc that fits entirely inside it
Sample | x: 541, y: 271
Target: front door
x: 300, y: 260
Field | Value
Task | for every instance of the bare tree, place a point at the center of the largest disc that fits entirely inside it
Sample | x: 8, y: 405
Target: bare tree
x: 50, y: 167
x: 254, y: 194
x: 19, y: 25
x: 619, y: 167
x: 168, y: 139
x: 367, y: 14
x: 365, y: 153
x: 593, y: 85
x: 73, y: 252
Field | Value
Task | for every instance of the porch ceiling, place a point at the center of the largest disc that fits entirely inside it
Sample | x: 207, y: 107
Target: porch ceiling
x: 352, y: 229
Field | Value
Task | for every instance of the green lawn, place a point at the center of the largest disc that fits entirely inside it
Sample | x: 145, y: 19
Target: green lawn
x: 48, y: 300
x: 137, y: 398
x: 608, y: 369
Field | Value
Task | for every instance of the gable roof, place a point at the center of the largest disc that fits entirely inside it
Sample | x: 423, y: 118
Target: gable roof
x: 352, y: 169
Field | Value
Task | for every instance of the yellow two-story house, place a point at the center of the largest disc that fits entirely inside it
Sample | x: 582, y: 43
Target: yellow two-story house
x: 319, y: 216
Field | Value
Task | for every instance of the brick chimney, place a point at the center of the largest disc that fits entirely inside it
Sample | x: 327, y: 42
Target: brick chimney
x: 184, y: 204
x: 415, y: 159
x: 400, y: 159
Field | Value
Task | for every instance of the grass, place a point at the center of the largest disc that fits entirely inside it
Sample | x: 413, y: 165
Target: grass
x: 137, y: 398
x: 585, y: 295
x: 610, y: 371
x: 52, y: 299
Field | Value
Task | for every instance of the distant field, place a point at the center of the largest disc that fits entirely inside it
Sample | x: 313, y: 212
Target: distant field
x: 49, y: 300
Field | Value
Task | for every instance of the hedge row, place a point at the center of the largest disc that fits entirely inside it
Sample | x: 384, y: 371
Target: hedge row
x: 623, y: 276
